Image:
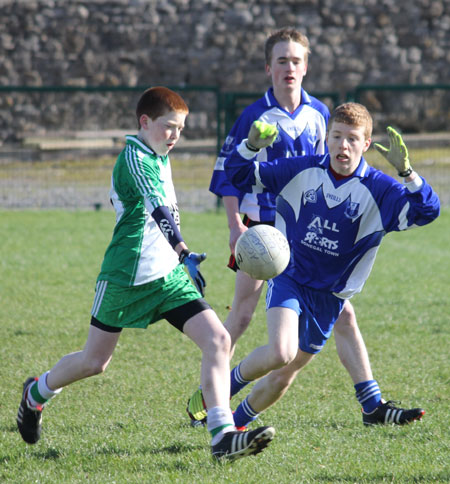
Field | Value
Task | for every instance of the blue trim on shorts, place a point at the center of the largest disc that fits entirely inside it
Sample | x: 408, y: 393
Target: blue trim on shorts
x: 317, y: 310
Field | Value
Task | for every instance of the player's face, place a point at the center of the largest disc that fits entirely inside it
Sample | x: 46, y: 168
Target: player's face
x: 288, y: 66
x: 346, y: 144
x: 162, y: 133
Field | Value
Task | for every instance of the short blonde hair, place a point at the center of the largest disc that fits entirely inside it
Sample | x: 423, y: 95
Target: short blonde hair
x: 286, y: 34
x: 353, y: 114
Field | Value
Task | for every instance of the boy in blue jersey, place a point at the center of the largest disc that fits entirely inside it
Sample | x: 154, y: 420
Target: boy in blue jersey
x: 301, y: 120
x: 334, y: 210
x: 142, y: 280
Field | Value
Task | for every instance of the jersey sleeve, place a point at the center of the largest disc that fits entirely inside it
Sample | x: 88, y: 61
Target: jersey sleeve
x: 270, y: 176
x: 150, y: 186
x: 408, y: 205
x: 143, y: 179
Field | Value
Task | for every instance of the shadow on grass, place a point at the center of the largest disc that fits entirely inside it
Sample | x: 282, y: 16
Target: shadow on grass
x: 47, y: 454
x: 162, y: 456
x: 21, y: 332
x: 174, y: 449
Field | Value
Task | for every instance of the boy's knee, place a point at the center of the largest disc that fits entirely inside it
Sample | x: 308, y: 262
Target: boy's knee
x: 346, y: 320
x: 279, y: 381
x: 95, y: 366
x: 282, y: 357
x: 221, y: 341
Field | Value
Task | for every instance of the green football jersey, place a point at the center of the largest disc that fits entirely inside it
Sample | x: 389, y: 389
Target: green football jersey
x: 141, y: 181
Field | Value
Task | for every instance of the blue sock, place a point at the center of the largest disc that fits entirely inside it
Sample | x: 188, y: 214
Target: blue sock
x: 244, y: 414
x: 369, y: 395
x: 237, y: 382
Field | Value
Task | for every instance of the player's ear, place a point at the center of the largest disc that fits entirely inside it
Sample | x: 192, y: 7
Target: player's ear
x: 268, y: 71
x: 367, y: 144
x: 143, y: 121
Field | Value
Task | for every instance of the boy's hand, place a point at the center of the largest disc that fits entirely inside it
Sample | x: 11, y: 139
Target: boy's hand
x: 397, y: 153
x: 261, y: 135
x: 192, y: 262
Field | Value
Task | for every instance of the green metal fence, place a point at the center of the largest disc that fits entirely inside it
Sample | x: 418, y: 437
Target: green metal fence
x: 63, y: 91
x: 228, y: 105
x: 77, y: 178
x: 415, y: 108
x: 356, y: 94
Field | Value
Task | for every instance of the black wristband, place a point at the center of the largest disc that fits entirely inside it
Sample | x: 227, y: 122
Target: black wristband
x: 183, y: 254
x: 250, y: 147
x: 405, y: 173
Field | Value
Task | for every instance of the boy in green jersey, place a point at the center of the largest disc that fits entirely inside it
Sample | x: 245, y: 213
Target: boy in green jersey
x: 142, y: 280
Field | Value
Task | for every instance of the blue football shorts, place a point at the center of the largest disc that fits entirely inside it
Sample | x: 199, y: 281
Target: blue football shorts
x: 317, y: 310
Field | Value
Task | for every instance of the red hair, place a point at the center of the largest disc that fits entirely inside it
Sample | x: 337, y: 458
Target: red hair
x: 157, y: 101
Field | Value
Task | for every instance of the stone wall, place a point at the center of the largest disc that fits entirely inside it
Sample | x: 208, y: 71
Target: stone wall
x: 217, y: 43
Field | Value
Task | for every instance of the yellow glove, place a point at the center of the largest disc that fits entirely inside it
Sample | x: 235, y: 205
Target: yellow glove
x: 397, y: 153
x: 261, y: 135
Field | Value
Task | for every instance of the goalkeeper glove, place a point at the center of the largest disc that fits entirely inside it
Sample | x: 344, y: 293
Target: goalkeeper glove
x: 261, y: 135
x: 397, y: 153
x: 191, y: 261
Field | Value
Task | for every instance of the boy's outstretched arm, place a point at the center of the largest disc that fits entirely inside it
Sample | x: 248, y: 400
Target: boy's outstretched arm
x: 423, y: 202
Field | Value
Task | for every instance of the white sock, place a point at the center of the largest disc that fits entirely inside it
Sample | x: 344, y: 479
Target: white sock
x: 44, y: 391
x: 220, y: 417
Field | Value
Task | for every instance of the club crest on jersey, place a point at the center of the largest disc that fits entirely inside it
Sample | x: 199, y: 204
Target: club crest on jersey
x: 352, y: 209
x: 311, y: 196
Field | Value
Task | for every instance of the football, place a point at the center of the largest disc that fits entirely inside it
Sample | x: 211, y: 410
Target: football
x: 262, y: 252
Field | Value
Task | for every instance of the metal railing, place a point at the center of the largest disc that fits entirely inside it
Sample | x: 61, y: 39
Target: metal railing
x: 121, y: 88
x: 355, y: 94
x: 228, y: 105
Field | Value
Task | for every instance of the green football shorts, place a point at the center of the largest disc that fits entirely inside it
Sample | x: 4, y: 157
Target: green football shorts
x: 139, y: 306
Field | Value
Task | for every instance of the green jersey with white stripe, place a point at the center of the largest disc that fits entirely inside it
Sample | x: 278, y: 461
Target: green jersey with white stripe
x: 139, y: 253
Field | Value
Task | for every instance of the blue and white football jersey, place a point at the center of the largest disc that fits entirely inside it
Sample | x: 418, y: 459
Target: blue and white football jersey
x: 300, y: 133
x: 334, y: 228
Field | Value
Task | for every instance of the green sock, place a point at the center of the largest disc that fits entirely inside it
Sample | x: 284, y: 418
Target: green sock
x: 34, y: 397
x: 215, y: 431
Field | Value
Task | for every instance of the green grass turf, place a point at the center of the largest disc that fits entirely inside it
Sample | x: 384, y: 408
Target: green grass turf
x: 129, y: 425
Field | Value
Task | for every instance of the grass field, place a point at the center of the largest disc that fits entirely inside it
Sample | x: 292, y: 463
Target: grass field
x: 129, y: 425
